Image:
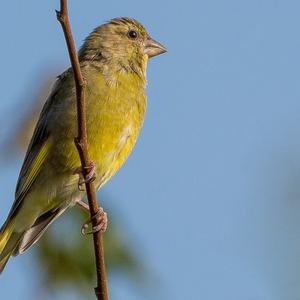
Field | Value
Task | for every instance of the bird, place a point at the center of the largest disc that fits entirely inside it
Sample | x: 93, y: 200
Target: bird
x: 113, y: 61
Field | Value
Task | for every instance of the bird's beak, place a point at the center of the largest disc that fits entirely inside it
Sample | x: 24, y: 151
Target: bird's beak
x: 153, y: 48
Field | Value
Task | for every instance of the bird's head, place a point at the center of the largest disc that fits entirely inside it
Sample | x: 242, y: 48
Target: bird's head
x: 121, y: 42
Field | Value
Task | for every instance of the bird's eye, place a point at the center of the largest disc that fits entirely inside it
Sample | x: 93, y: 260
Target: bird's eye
x: 132, y: 34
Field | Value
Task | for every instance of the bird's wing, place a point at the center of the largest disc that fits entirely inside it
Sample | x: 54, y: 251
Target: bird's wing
x: 35, y: 156
x: 36, y: 153
x: 33, y: 234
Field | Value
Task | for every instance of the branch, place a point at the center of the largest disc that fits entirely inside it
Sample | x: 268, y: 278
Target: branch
x: 82, y: 147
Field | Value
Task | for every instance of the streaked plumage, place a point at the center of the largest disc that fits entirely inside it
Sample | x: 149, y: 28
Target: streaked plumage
x: 114, y: 64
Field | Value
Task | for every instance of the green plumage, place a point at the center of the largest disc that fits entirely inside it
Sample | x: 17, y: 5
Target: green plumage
x: 114, y: 66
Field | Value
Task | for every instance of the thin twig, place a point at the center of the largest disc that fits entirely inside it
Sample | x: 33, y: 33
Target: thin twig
x: 82, y: 147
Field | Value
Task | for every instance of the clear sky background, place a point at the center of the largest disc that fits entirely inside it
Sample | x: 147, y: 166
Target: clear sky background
x: 212, y: 189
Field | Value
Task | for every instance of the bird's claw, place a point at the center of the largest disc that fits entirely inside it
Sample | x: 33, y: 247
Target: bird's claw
x: 89, y: 177
x: 101, y: 218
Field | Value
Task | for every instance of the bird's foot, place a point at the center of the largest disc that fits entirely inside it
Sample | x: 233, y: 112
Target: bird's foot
x: 101, y: 219
x: 89, y: 177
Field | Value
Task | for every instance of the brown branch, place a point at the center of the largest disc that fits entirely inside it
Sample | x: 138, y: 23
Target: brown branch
x: 82, y: 147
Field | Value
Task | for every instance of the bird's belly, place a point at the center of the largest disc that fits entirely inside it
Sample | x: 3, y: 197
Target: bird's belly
x: 112, y: 153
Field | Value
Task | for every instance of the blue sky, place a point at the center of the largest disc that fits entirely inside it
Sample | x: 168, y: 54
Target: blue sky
x: 212, y: 189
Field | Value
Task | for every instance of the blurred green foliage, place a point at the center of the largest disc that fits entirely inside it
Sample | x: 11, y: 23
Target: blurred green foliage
x: 67, y: 257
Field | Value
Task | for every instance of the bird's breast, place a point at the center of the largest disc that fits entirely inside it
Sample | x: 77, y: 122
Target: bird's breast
x: 114, y: 122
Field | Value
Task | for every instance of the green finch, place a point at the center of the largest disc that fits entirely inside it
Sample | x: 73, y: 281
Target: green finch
x: 113, y: 61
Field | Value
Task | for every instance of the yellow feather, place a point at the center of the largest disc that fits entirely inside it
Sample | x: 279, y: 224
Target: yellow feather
x: 35, y: 167
x: 8, y: 242
x: 5, y: 234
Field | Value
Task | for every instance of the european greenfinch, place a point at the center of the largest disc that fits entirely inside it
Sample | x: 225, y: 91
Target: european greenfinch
x: 113, y: 61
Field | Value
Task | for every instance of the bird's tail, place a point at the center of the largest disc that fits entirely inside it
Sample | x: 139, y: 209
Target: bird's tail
x: 8, y: 242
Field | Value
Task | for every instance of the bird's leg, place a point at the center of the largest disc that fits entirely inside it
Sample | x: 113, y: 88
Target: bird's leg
x: 83, y: 205
x: 100, y: 216
x: 90, y: 176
